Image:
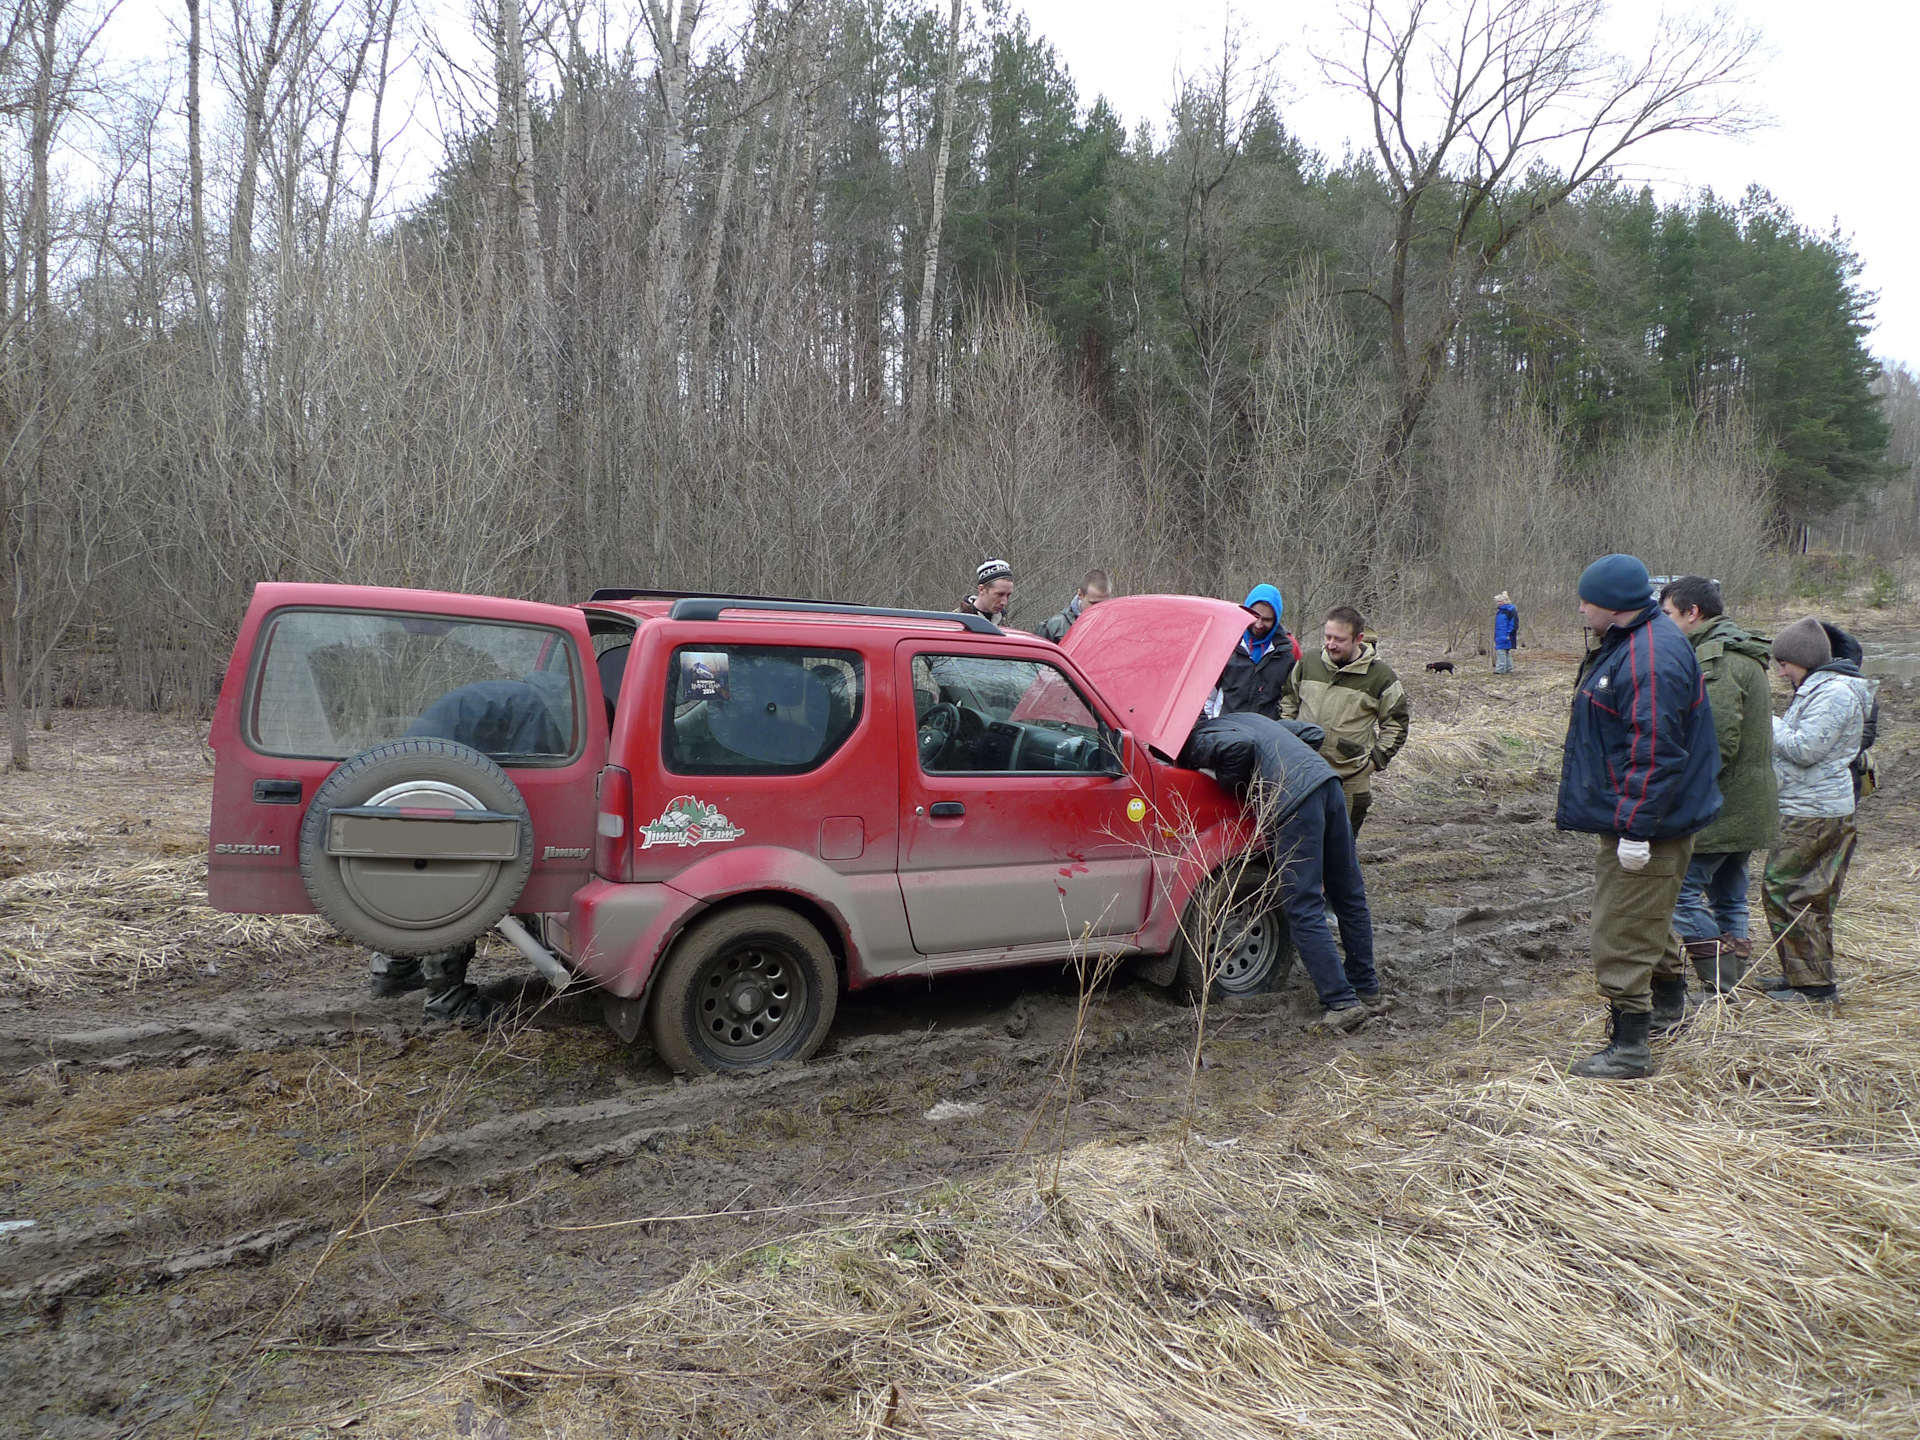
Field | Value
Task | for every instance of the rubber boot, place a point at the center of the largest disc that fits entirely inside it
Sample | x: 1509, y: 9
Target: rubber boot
x: 1626, y: 1056
x: 1669, y: 1008
x: 1714, y: 962
x: 390, y: 975
x: 449, y: 997
x: 1742, y: 949
x: 1804, y: 994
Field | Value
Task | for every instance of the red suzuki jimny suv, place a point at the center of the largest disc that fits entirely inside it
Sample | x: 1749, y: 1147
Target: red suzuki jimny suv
x: 720, y: 809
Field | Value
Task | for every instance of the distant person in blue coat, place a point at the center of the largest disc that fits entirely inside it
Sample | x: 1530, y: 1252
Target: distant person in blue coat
x: 1506, y: 633
x: 1640, y: 770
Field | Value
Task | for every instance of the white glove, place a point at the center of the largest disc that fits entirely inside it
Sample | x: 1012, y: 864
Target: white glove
x: 1634, y: 855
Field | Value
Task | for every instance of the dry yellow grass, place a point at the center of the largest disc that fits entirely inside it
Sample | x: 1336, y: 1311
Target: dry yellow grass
x: 1467, y: 1244
x: 84, y: 926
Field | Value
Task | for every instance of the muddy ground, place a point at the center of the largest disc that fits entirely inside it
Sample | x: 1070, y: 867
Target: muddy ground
x: 193, y: 1107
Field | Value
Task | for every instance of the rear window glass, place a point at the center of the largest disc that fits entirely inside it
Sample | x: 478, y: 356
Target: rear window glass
x: 759, y: 709
x: 332, y: 683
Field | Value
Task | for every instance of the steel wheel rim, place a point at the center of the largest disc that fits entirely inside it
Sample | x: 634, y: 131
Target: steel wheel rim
x: 747, y: 1001
x: 1248, y: 948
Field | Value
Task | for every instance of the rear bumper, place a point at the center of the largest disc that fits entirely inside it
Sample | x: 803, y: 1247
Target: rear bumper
x: 618, y: 931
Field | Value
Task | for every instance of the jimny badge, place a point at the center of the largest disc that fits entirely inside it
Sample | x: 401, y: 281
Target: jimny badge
x: 688, y: 821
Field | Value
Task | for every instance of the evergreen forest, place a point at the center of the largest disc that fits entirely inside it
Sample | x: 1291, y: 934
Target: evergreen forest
x: 838, y: 297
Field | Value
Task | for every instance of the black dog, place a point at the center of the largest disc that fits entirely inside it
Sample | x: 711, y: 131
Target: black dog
x: 1440, y: 667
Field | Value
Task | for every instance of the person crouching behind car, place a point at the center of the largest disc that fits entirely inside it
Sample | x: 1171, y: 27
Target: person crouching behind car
x: 1272, y: 766
x: 1638, y: 771
x: 992, y: 592
x: 443, y: 975
x: 1813, y: 748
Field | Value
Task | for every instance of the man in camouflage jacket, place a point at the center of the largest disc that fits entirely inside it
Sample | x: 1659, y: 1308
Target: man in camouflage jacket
x: 1352, y: 694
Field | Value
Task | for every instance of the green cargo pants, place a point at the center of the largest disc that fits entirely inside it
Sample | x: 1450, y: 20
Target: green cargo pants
x: 1359, y: 792
x: 1805, y: 869
x: 1633, y: 938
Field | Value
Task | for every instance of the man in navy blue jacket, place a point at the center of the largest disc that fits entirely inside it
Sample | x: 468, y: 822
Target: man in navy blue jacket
x: 1640, y: 771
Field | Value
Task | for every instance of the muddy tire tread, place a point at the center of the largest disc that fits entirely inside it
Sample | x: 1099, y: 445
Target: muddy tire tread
x: 1188, y: 976
x: 667, y: 1002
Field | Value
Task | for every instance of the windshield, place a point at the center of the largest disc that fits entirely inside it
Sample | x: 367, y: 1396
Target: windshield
x: 331, y: 683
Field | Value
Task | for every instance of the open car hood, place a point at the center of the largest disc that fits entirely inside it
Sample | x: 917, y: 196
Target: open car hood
x: 1156, y: 658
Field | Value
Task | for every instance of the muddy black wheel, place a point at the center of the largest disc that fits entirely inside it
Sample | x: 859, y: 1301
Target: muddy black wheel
x: 743, y: 990
x: 1235, y: 935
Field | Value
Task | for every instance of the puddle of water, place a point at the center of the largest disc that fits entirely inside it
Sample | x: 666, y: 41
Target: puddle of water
x: 1894, y: 655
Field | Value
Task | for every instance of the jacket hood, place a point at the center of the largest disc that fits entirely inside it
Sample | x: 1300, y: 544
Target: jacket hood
x: 1258, y: 648
x: 1271, y: 595
x: 1844, y: 646
x: 1357, y: 665
x: 1155, y: 659
x: 1735, y: 639
x: 1849, y: 668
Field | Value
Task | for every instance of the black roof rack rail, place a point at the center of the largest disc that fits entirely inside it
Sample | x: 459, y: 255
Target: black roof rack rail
x: 708, y: 607
x: 623, y: 592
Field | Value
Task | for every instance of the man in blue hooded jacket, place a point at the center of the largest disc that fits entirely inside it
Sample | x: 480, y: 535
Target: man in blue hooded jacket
x: 1257, y: 673
x: 1640, y: 771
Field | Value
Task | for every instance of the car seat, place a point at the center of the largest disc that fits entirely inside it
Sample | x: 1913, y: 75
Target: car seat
x: 839, y: 703
x: 612, y: 665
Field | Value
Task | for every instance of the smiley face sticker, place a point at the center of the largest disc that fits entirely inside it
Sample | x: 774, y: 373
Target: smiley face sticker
x: 1136, y: 810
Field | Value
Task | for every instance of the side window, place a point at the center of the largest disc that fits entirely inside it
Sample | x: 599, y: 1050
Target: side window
x: 976, y: 713
x: 331, y: 683
x: 759, y: 709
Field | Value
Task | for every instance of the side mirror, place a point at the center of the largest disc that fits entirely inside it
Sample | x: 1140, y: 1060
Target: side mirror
x: 1113, y: 751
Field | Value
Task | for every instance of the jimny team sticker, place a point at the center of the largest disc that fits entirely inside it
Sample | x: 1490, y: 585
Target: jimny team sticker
x: 688, y: 821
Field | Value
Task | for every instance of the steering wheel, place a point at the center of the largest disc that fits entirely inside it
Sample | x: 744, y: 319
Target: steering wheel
x: 938, y: 727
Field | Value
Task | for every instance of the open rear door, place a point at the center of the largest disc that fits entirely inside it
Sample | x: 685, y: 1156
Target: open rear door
x: 322, y: 674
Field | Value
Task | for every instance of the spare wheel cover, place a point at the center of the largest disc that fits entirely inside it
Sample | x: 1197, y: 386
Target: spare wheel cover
x: 416, y: 846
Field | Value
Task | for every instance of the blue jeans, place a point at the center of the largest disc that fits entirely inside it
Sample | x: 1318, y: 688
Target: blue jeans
x: 1503, y: 662
x: 1320, y: 868
x: 1713, y: 897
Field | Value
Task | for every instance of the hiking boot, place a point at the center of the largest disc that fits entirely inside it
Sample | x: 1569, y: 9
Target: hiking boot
x: 1716, y: 962
x: 1341, y: 1021
x: 461, y: 1005
x: 1374, y: 1002
x: 1669, y: 1008
x: 390, y: 975
x: 1626, y: 1056
x: 1803, y: 994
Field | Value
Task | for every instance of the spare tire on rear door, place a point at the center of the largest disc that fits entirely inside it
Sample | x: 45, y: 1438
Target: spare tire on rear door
x: 416, y: 846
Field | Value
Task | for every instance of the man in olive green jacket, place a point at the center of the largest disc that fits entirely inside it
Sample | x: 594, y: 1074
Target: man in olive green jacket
x: 1352, y: 694
x: 1711, y: 917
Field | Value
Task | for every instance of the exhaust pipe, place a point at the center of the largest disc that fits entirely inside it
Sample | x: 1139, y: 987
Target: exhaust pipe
x: 544, y: 960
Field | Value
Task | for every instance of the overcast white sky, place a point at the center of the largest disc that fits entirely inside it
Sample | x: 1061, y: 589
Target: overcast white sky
x: 1839, y: 82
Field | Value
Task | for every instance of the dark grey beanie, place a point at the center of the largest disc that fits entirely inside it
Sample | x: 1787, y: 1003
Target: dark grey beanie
x: 1803, y: 643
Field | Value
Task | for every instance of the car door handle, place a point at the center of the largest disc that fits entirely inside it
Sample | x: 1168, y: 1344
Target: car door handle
x: 946, y: 809
x: 276, y: 792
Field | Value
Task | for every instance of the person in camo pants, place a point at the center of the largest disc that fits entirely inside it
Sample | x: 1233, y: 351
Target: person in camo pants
x: 443, y: 975
x: 1813, y: 748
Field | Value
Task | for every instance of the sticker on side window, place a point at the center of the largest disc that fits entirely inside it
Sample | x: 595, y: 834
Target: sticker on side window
x: 687, y: 821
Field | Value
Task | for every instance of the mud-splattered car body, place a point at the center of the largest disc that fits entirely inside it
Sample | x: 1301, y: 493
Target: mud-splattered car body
x: 924, y: 793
